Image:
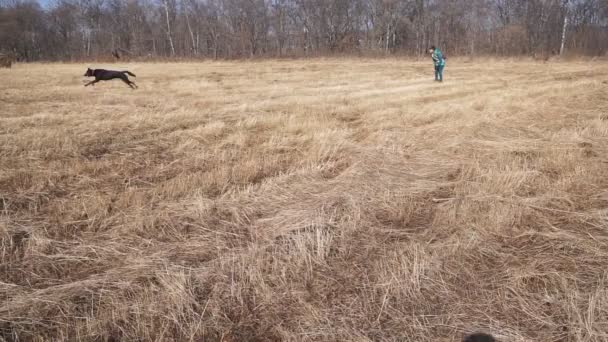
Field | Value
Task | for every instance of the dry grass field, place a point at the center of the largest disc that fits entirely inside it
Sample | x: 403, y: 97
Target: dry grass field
x: 321, y: 200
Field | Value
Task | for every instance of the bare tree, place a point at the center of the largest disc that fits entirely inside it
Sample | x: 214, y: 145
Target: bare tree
x: 186, y: 12
x: 165, y: 5
x: 565, y: 27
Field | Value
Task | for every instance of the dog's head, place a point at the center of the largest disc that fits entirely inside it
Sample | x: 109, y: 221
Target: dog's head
x: 89, y: 72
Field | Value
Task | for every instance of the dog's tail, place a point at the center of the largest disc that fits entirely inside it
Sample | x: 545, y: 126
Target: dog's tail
x: 129, y: 73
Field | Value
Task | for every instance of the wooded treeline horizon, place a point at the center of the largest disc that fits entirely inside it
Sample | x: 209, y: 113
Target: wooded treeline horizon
x: 227, y: 29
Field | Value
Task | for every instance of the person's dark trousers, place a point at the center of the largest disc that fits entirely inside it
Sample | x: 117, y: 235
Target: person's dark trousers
x: 439, y: 73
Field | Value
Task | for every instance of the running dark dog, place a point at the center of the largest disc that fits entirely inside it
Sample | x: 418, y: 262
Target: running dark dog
x: 106, y: 75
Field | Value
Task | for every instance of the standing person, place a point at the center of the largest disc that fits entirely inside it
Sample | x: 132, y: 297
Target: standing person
x: 439, y: 62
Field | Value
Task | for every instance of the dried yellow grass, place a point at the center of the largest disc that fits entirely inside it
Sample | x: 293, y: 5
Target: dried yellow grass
x: 323, y: 200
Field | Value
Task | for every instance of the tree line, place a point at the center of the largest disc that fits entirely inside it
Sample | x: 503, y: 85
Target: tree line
x: 85, y: 29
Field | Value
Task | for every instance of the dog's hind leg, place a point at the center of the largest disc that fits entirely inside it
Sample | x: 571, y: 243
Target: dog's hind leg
x: 126, y: 80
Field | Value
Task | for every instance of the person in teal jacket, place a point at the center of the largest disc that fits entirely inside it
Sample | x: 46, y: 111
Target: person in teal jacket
x: 439, y: 62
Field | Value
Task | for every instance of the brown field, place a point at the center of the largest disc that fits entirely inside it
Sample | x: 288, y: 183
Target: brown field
x: 322, y: 200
